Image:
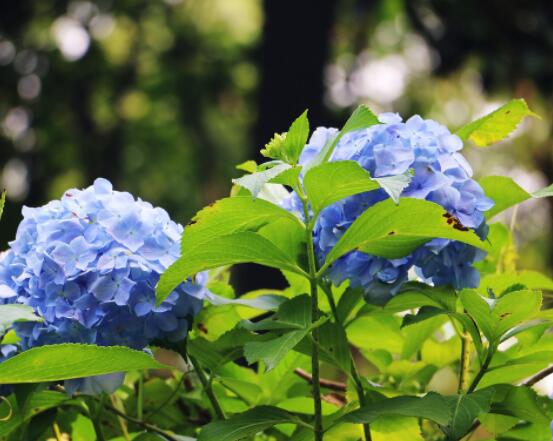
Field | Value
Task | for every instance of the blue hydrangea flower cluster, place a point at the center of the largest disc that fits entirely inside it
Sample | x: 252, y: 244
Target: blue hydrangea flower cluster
x: 88, y: 264
x: 440, y: 174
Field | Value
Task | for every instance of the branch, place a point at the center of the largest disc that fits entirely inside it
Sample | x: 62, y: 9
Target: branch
x: 141, y: 423
x: 538, y: 377
x: 528, y: 383
x: 329, y: 384
x: 136, y: 421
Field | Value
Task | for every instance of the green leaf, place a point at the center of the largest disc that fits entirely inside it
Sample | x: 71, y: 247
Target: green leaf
x: 255, y: 182
x: 296, y: 138
x: 67, y: 361
x: 274, y: 148
x: 288, y: 177
x: 545, y: 192
x: 225, y: 250
x: 332, y: 181
x: 464, y: 409
x: 396, y: 428
x: 35, y: 404
x: 517, y: 401
x: 506, y: 193
x: 480, y: 311
x: 10, y: 338
x: 514, y: 308
x: 2, y: 203
x: 347, y: 303
x: 10, y: 314
x: 394, y: 185
x: 334, y: 346
x: 517, y: 369
x: 499, y: 282
x: 263, y: 302
x: 432, y: 407
x: 497, y: 316
x: 394, y: 231
x: 247, y: 424
x: 249, y: 166
x: 415, y: 295
x: 497, y: 125
x: 293, y: 316
x: 288, y: 146
x: 428, y: 312
x: 232, y: 215
x: 361, y: 118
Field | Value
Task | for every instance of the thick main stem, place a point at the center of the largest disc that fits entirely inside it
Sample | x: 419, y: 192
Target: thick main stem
x: 318, y: 426
x: 465, y: 362
x: 483, y: 369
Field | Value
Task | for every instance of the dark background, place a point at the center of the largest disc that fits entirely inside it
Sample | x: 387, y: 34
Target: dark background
x: 164, y: 97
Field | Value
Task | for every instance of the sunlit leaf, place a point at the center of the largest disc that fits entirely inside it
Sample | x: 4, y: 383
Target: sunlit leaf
x: 394, y: 231
x: 226, y: 250
x: 361, y: 118
x: 497, y: 125
x: 506, y: 193
x: 332, y: 181
x: 255, y: 182
x: 66, y: 361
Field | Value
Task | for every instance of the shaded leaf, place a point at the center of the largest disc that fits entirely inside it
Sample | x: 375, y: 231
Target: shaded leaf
x: 35, y: 404
x: 465, y: 409
x: 247, y: 424
x: 518, y: 401
x: 12, y: 313
x: 431, y: 407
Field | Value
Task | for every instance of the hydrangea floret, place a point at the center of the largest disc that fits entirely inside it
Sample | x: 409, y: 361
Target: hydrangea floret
x: 440, y: 174
x: 88, y: 265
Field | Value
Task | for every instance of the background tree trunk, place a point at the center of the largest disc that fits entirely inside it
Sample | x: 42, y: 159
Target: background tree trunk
x: 292, y: 58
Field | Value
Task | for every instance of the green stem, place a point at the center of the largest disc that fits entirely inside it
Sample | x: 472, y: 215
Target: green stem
x: 465, y: 362
x: 483, y: 369
x: 140, y: 398
x: 318, y: 426
x: 97, y: 419
x: 354, y: 372
x: 361, y: 396
x: 207, y: 388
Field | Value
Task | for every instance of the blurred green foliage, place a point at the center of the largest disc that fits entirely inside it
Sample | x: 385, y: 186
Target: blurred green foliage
x: 162, y: 97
